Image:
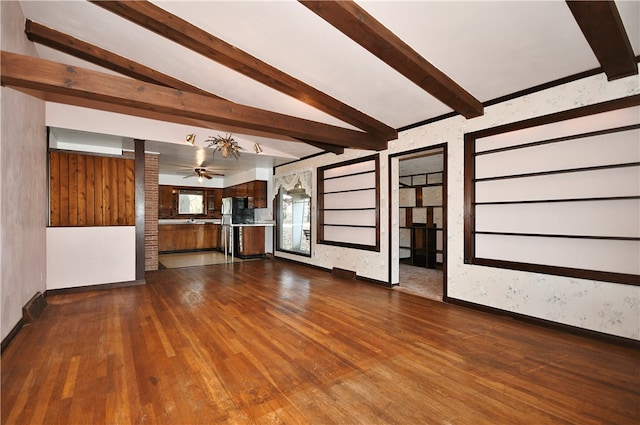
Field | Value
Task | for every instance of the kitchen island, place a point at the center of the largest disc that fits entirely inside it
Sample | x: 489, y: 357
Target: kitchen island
x: 249, y: 239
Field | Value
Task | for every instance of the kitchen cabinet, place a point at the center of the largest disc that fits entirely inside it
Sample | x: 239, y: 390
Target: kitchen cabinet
x: 188, y: 237
x: 249, y: 241
x: 237, y: 191
x: 259, y: 194
x: 166, y: 237
x: 214, y: 203
x: 167, y: 202
x: 255, y: 190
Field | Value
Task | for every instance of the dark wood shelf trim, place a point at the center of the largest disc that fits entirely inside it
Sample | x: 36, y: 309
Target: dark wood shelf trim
x: 549, y: 201
x: 364, y: 189
x: 561, y: 139
x: 563, y: 171
x: 561, y: 236
x: 362, y: 226
x: 359, y: 173
x: 348, y: 209
x: 350, y: 245
x: 603, y: 276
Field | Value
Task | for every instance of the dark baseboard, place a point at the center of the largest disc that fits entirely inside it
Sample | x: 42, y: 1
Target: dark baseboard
x: 345, y: 274
x: 574, y: 330
x: 9, y: 338
x: 99, y: 287
x: 34, y: 308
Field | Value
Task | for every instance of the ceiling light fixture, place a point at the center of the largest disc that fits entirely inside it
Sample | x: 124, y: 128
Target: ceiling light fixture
x: 298, y: 191
x: 257, y: 148
x: 191, y: 139
x: 225, y: 145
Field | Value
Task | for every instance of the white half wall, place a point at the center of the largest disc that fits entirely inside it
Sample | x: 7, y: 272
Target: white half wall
x: 84, y: 256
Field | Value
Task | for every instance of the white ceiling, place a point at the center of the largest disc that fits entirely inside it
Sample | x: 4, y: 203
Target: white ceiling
x: 490, y: 48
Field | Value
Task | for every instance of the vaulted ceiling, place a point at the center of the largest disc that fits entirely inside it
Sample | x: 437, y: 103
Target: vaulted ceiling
x: 308, y: 76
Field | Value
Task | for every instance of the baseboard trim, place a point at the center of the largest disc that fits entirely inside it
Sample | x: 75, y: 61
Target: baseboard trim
x: 34, y: 308
x: 99, y: 287
x: 347, y: 273
x: 574, y: 330
x: 12, y: 334
x: 343, y: 273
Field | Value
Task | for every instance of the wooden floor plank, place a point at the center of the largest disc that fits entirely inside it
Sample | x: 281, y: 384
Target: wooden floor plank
x: 270, y: 342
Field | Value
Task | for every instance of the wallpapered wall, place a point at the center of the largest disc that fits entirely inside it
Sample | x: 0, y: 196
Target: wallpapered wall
x: 368, y: 264
x: 600, y: 306
x: 23, y: 203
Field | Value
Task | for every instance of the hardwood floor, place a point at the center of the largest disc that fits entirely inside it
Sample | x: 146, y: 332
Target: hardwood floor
x: 275, y: 342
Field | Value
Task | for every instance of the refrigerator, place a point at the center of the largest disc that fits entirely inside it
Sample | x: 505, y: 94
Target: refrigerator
x: 237, y: 211
x: 234, y: 211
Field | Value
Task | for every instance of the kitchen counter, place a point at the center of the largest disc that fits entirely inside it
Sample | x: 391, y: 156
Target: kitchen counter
x: 163, y: 222
x: 259, y: 224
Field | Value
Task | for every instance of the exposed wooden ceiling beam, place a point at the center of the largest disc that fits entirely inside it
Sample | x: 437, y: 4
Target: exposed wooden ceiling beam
x: 602, y: 26
x: 338, y: 150
x: 158, y: 20
x: 364, y: 29
x: 73, y: 46
x: 77, y: 83
x: 91, y: 53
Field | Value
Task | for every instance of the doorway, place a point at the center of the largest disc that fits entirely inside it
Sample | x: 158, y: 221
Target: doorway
x: 419, y: 189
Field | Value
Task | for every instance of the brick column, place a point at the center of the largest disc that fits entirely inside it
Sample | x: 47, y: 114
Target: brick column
x: 151, y: 212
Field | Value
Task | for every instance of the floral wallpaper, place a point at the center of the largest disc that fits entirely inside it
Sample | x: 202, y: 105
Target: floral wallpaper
x: 600, y: 306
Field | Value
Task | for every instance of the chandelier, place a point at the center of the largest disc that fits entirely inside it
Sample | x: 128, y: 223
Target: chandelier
x: 225, y: 145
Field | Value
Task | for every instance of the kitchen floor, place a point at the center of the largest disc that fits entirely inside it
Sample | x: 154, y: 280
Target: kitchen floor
x: 194, y: 259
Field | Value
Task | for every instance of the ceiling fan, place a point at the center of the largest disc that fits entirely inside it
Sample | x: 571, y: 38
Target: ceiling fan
x: 202, y: 173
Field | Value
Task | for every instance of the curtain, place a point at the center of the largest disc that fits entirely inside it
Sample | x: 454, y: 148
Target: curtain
x: 289, y: 181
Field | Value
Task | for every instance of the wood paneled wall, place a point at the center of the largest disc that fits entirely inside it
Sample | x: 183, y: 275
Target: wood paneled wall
x: 87, y: 190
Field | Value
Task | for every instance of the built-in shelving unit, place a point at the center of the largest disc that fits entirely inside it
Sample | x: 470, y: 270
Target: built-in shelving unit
x: 348, y: 204
x: 421, y: 219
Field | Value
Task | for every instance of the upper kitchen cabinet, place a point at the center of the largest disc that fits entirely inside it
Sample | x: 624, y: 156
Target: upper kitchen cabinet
x: 214, y: 203
x: 259, y: 194
x: 167, y: 203
x: 255, y: 190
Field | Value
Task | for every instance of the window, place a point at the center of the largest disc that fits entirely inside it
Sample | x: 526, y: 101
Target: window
x: 558, y: 194
x: 294, y: 220
x: 191, y: 202
x: 348, y: 204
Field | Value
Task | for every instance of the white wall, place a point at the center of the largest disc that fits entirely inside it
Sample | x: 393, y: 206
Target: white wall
x: 84, y: 256
x: 23, y: 194
x: 600, y: 306
x: 170, y: 180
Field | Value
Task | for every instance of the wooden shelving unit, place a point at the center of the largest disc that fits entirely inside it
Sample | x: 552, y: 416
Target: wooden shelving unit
x: 421, y: 212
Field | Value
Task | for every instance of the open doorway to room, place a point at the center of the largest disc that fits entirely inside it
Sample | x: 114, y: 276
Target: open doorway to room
x: 419, y: 177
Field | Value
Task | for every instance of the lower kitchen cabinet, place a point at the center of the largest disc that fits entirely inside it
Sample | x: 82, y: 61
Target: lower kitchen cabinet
x: 188, y: 237
x: 250, y: 241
